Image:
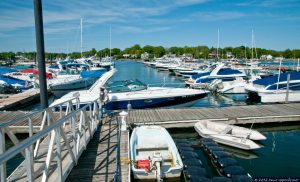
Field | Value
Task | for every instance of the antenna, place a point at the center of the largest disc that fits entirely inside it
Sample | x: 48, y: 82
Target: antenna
x: 81, y: 37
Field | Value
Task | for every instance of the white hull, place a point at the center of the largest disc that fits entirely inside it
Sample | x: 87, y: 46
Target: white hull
x: 148, y: 141
x: 279, y: 97
x: 229, y: 135
x: 271, y: 96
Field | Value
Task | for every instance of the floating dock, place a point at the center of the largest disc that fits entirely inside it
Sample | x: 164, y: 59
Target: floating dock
x: 15, y: 101
x: 187, y: 117
x: 106, y: 157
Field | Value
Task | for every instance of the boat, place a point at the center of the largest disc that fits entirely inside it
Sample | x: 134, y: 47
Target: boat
x: 231, y: 135
x: 154, y: 153
x: 83, y: 81
x: 134, y: 94
x: 276, y: 88
x: 202, y: 80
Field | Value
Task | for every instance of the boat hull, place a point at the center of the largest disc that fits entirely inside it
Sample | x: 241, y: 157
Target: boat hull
x: 145, y: 143
x: 206, y: 131
x: 153, y: 102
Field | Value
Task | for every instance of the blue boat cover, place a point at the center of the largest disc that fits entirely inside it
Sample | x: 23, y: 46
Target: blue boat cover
x: 199, y: 75
x: 228, y: 71
x: 273, y: 79
x: 92, y: 73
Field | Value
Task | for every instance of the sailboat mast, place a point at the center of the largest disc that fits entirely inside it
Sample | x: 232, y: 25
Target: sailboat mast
x: 251, y: 68
x: 110, y: 42
x: 218, y: 45
x: 81, y: 37
x: 278, y: 78
x: 252, y: 44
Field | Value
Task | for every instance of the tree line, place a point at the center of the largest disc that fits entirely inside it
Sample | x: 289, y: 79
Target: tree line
x: 136, y: 51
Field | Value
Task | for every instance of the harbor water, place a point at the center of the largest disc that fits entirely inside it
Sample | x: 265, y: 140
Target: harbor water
x: 277, y: 158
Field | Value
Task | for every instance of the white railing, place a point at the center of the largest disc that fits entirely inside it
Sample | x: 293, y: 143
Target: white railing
x: 64, y: 133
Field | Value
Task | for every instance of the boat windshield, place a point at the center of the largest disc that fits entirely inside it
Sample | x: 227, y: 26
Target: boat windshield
x: 125, y: 86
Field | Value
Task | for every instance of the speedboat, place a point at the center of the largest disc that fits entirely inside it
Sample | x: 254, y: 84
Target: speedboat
x: 155, y: 154
x: 220, y: 72
x: 133, y: 94
x: 276, y: 88
x: 59, y: 86
x: 229, y: 134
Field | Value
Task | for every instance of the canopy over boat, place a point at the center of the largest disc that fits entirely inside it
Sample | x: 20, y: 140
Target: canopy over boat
x: 294, y: 75
x: 36, y: 72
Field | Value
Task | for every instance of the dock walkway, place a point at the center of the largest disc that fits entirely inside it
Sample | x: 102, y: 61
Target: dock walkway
x: 187, y: 117
x: 20, y: 99
x: 99, y: 161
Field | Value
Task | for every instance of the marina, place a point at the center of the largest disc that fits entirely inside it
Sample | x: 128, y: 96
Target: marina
x: 149, y: 91
x: 105, y: 165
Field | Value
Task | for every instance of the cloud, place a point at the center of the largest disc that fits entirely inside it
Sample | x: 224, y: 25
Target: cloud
x: 269, y: 3
x: 17, y: 15
x: 215, y: 16
x: 134, y: 29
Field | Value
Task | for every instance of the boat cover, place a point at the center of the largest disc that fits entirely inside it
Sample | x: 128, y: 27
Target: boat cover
x: 273, y: 79
x: 92, y: 73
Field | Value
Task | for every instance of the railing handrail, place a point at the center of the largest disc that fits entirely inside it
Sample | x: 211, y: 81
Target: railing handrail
x: 163, y: 84
x: 11, y: 152
x: 8, y: 123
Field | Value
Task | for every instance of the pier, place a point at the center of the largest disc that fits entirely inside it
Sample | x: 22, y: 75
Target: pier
x: 79, y: 144
x: 187, y: 117
x: 71, y: 145
x: 20, y: 99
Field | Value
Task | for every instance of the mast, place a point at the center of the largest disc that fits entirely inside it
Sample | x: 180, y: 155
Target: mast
x: 251, y: 62
x: 278, y: 78
x: 110, y: 42
x: 81, y: 37
x: 218, y: 45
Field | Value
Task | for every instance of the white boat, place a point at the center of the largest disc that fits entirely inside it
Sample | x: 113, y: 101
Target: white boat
x: 229, y: 135
x: 136, y: 95
x: 220, y: 72
x: 155, y: 154
x: 276, y: 88
x: 85, y: 80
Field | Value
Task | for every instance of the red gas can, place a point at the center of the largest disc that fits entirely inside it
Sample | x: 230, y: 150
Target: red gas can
x: 143, y: 164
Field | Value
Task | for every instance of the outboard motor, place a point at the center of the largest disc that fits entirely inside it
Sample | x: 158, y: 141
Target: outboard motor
x: 215, y: 85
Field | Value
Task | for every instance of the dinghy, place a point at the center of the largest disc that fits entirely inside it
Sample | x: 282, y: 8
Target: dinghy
x: 154, y: 154
x: 229, y: 135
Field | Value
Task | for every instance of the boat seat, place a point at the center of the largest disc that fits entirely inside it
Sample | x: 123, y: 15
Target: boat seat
x: 152, y: 148
x: 227, y: 130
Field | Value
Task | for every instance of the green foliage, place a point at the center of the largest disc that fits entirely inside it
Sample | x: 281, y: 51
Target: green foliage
x: 158, y: 51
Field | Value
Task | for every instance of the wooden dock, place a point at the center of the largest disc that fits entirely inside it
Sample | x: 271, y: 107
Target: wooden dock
x: 22, y: 127
x: 97, y: 163
x: 187, y: 117
x: 16, y: 101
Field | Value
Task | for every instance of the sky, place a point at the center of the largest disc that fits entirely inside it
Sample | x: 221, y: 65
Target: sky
x: 275, y: 23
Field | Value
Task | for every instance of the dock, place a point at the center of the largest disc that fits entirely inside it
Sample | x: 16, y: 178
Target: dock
x: 14, y: 101
x: 22, y: 127
x: 101, y: 152
x: 187, y: 117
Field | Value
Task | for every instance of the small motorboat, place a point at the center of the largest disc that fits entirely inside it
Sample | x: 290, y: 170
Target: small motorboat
x: 229, y: 135
x: 155, y: 154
